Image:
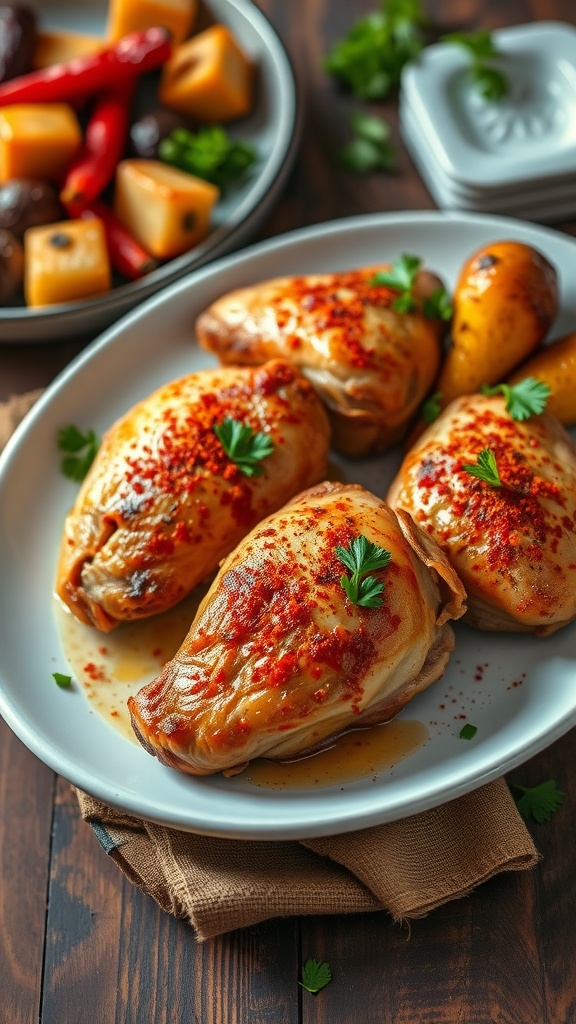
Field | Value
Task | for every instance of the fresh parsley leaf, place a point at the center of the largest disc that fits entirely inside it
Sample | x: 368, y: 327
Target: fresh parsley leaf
x: 315, y: 975
x: 479, y: 45
x: 526, y: 398
x: 431, y: 408
x: 209, y: 154
x: 468, y: 731
x: 82, y: 449
x: 369, y: 60
x: 400, y: 278
x: 438, y: 305
x: 360, y: 558
x: 539, y: 802
x: 370, y: 149
x: 61, y: 680
x: 243, y: 445
x: 485, y: 468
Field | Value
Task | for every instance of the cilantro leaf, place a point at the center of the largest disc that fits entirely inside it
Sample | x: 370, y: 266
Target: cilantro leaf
x: 360, y: 558
x: 485, y: 468
x: 61, y: 680
x: 526, y: 398
x: 480, y: 47
x: 370, y: 149
x: 468, y: 731
x: 82, y: 449
x: 431, y: 408
x: 438, y: 305
x: 209, y: 154
x: 539, y: 802
x: 316, y: 974
x: 369, y: 60
x: 244, y: 446
x: 400, y: 278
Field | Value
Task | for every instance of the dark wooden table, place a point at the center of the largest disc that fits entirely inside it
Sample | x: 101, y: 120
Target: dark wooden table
x: 78, y: 943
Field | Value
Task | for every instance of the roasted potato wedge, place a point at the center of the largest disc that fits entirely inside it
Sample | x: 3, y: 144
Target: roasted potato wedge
x: 555, y: 365
x: 505, y: 301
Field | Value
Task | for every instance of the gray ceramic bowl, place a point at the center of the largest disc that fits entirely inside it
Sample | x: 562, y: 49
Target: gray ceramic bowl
x: 272, y: 127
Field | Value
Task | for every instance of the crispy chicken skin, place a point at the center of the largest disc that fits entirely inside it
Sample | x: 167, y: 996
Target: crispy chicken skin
x: 163, y: 503
x: 278, y: 659
x: 513, y: 546
x: 371, y: 365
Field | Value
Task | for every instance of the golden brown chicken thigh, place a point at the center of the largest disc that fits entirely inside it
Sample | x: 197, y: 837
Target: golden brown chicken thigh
x: 279, y: 658
x: 513, y: 545
x: 163, y: 502
x: 370, y: 364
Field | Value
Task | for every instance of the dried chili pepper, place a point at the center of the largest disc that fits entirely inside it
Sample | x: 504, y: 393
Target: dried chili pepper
x: 104, y: 140
x: 127, y: 256
x: 93, y: 73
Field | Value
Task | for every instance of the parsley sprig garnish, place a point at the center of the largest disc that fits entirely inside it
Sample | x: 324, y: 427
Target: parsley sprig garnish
x: 370, y: 148
x: 431, y: 408
x: 244, y: 446
x: 81, y: 449
x: 315, y: 975
x: 479, y: 45
x: 62, y: 680
x: 468, y: 731
x: 370, y: 58
x: 485, y: 468
x: 362, y: 557
x: 539, y: 802
x: 526, y: 398
x: 401, y: 278
x: 209, y: 153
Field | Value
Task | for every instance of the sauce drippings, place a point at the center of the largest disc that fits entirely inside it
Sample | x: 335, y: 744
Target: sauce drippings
x: 358, y: 754
x: 111, y: 667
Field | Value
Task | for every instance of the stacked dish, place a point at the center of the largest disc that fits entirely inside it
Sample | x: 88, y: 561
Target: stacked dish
x: 514, y: 156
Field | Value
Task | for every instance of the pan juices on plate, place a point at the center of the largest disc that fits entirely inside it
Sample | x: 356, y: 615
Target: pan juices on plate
x: 498, y: 494
x: 332, y: 613
x: 372, y: 351
x: 179, y: 480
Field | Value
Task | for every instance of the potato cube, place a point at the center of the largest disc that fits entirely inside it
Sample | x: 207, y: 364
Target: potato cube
x: 168, y: 211
x: 177, y: 16
x: 209, y: 77
x: 65, y: 261
x: 37, y: 140
x: 60, y: 47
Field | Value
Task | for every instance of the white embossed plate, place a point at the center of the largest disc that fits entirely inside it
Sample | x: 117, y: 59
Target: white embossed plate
x: 519, y: 691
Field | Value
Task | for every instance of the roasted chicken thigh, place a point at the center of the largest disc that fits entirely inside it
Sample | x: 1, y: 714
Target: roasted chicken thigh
x: 513, y: 544
x: 164, y: 502
x: 371, y: 364
x: 279, y: 657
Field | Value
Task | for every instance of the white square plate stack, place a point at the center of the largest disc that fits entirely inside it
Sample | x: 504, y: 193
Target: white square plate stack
x: 516, y: 156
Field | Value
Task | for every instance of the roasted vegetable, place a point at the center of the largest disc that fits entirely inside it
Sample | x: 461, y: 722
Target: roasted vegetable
x: 166, y: 210
x: 37, y: 140
x: 555, y: 365
x: 65, y: 261
x: 208, y: 77
x: 26, y: 203
x: 17, y: 40
x: 11, y: 265
x: 132, y: 15
x: 505, y: 301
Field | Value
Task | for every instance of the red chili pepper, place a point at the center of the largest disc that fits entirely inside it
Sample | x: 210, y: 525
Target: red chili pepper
x: 104, y: 139
x: 92, y: 73
x: 126, y: 254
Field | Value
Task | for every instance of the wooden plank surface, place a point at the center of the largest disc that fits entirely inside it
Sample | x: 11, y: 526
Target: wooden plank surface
x: 79, y: 943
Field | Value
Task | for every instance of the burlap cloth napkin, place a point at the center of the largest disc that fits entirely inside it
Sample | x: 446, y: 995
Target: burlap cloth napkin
x: 407, y: 867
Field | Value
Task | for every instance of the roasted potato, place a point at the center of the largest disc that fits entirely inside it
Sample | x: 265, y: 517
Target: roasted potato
x: 505, y: 300
x: 555, y: 365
